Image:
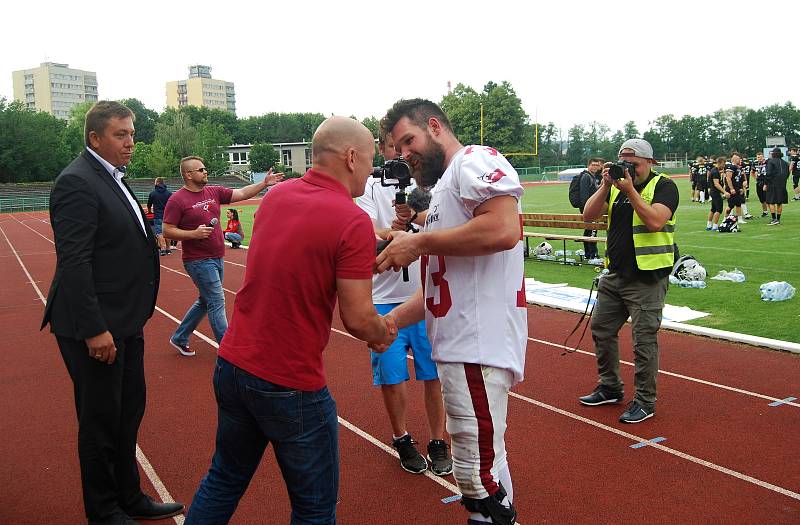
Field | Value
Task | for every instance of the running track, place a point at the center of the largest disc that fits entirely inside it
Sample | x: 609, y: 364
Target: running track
x: 728, y: 457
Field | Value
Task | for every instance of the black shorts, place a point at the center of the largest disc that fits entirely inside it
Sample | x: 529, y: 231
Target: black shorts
x: 735, y: 199
x: 762, y: 195
x: 716, y: 202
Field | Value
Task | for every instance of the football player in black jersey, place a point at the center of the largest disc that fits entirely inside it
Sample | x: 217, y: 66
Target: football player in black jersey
x: 693, y: 178
x: 760, y: 169
x: 794, y: 171
x: 746, y: 167
x: 702, y: 180
x: 716, y: 191
x: 735, y: 185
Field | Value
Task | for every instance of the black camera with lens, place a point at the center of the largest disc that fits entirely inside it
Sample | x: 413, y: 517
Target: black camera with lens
x: 616, y: 170
x: 396, y: 172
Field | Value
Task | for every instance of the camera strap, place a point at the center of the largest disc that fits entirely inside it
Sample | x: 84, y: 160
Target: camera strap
x: 583, y: 317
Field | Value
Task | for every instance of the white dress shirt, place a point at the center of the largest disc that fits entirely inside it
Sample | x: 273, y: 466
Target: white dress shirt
x: 117, y: 175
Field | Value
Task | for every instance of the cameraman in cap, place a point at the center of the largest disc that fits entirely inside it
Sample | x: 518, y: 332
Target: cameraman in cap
x: 640, y: 204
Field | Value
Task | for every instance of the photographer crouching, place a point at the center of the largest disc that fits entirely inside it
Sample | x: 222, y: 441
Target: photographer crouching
x: 640, y: 204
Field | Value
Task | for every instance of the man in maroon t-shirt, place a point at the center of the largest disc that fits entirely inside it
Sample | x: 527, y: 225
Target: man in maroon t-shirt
x: 269, y: 380
x: 192, y: 216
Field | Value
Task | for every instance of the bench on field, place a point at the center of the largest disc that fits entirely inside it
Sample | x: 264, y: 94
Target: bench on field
x: 573, y: 221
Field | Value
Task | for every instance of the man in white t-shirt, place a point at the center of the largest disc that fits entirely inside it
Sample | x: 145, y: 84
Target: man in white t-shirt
x: 390, y: 368
x: 473, y: 296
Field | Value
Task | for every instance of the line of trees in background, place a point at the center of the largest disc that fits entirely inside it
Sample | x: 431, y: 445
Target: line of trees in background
x: 35, y: 146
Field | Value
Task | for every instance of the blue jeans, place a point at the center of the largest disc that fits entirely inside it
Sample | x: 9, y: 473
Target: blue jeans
x: 207, y: 276
x: 233, y: 237
x: 303, y: 430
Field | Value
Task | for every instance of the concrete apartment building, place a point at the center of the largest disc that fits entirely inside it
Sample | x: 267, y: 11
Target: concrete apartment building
x: 202, y: 91
x: 54, y: 88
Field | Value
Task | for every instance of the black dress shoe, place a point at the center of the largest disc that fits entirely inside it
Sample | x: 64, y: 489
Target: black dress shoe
x: 148, y: 509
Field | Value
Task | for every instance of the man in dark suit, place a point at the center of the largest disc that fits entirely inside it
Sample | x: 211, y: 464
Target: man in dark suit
x: 103, y: 292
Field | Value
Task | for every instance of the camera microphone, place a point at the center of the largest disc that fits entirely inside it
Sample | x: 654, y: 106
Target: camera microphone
x: 213, y: 222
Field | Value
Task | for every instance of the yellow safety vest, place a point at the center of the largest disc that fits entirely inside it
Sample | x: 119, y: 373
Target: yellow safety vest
x: 654, y: 250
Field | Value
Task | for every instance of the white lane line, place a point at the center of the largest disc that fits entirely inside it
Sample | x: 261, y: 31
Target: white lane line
x: 146, y: 466
x: 24, y: 268
x: 673, y: 374
x: 163, y: 493
x: 165, y: 267
x: 668, y: 450
x: 682, y: 455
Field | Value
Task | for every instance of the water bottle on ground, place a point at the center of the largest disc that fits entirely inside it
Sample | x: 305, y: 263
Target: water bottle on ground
x: 776, y: 291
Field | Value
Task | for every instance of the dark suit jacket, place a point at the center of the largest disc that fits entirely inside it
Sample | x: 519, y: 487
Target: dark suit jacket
x: 107, y: 272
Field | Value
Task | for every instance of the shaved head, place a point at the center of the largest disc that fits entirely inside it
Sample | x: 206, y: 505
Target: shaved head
x: 344, y: 149
x: 338, y: 134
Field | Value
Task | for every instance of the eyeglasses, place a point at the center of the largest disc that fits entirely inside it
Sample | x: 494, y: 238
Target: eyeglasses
x: 199, y: 170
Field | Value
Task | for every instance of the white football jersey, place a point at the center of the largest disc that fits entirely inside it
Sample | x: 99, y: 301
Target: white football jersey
x: 388, y: 287
x: 475, y: 307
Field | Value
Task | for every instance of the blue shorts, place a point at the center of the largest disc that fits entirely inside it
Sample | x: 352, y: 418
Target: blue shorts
x: 157, y: 225
x: 391, y: 367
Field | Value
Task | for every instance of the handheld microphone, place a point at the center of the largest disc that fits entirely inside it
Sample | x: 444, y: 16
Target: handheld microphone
x: 213, y: 222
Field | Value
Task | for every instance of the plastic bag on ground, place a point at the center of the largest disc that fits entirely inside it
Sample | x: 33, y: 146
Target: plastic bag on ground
x: 776, y: 291
x: 735, y: 276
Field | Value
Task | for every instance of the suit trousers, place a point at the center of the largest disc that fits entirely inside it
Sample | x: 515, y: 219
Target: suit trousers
x: 110, y: 402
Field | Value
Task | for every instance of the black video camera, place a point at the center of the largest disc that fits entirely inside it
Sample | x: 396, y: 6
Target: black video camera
x: 395, y: 173
x: 616, y: 170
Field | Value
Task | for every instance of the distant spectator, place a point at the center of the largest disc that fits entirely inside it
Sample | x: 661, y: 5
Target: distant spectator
x: 156, y: 203
x: 794, y: 171
x: 233, y: 231
x: 777, y: 196
x: 590, y: 180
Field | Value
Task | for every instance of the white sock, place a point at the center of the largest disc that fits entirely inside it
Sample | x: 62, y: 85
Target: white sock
x: 702, y: 196
x: 715, y: 227
x: 708, y: 224
x: 744, y: 209
x: 395, y: 438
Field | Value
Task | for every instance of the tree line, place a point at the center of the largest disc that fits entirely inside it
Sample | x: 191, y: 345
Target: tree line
x: 35, y: 146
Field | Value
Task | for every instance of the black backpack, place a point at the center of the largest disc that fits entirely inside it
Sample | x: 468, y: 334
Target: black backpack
x: 575, y: 190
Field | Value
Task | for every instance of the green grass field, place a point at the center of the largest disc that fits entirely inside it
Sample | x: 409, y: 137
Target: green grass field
x: 764, y: 253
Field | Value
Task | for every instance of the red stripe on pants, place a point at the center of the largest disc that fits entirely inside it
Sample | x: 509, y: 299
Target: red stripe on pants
x: 480, y: 404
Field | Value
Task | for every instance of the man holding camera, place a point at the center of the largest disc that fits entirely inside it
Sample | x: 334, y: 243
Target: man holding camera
x: 192, y: 217
x: 390, y: 368
x: 473, y: 298
x: 640, y: 204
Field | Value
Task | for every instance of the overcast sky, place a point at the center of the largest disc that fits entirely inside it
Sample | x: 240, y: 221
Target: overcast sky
x: 569, y: 61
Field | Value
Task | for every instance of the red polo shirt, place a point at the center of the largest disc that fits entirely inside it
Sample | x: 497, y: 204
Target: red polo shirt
x: 307, y: 233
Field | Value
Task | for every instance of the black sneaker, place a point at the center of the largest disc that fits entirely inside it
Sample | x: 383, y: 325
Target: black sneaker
x: 636, y: 413
x: 602, y: 395
x: 410, y: 458
x: 764, y: 213
x: 439, y: 457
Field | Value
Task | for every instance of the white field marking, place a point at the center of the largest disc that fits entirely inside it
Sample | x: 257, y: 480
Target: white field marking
x: 356, y: 430
x: 722, y: 248
x: 668, y: 450
x: 673, y: 374
x: 163, y: 493
x: 392, y: 452
x: 682, y: 455
x: 24, y: 268
x: 165, y: 267
x: 146, y: 466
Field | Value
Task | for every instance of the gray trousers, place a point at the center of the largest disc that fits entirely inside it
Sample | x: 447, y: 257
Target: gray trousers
x: 617, y: 299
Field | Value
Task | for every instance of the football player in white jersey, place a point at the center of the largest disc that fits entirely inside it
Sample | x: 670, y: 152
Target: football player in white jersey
x: 390, y: 368
x: 473, y: 296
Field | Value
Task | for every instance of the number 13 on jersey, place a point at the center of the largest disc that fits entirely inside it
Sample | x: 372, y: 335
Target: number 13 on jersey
x: 440, y: 286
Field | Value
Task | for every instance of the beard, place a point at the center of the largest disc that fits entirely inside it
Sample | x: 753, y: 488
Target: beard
x: 430, y: 167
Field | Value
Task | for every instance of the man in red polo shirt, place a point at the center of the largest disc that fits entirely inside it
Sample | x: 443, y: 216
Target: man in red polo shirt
x: 310, y: 245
